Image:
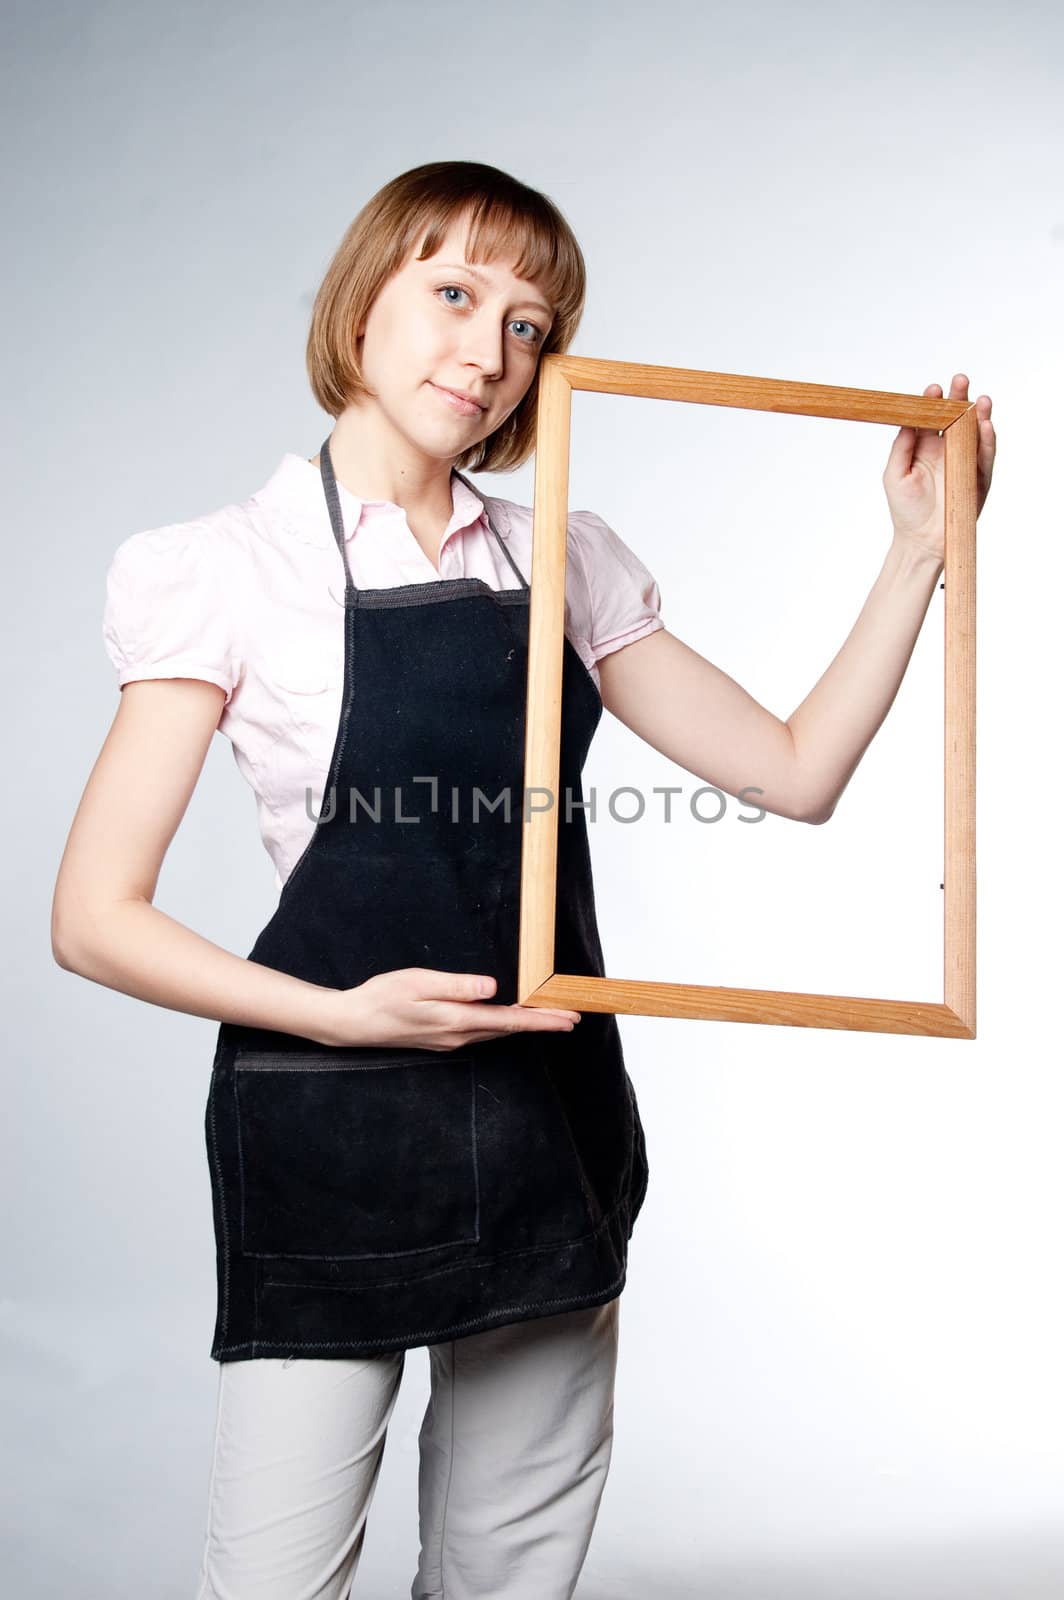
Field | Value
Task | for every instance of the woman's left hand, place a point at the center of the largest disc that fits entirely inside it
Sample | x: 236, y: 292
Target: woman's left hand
x: 914, y: 478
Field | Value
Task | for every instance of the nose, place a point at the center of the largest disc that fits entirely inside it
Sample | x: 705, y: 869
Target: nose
x: 483, y: 346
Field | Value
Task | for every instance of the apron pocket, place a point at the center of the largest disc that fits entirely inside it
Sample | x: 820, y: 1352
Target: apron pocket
x: 355, y: 1155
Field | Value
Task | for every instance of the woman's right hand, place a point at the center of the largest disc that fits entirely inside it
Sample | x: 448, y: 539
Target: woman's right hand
x: 431, y: 1010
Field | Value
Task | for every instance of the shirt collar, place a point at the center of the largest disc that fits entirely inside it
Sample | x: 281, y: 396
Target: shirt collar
x: 295, y: 498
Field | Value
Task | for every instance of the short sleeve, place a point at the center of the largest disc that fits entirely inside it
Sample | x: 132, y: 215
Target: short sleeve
x: 624, y: 601
x: 167, y: 613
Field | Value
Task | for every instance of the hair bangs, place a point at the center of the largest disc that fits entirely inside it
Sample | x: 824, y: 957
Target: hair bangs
x: 523, y: 236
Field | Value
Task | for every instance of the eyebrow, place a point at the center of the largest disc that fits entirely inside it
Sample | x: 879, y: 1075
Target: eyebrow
x: 474, y: 272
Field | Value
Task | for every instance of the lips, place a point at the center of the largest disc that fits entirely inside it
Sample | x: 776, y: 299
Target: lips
x: 464, y: 403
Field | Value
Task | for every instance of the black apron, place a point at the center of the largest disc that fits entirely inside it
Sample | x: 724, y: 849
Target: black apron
x: 376, y: 1198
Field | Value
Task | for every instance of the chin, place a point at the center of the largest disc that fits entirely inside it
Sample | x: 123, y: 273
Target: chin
x: 439, y: 448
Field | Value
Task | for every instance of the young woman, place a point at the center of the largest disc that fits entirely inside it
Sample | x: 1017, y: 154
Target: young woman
x: 400, y: 1155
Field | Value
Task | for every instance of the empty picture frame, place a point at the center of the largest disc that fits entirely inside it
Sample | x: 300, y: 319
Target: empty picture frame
x: 537, y: 981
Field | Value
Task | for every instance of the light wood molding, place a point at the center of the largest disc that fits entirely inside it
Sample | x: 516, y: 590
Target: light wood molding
x: 538, y: 983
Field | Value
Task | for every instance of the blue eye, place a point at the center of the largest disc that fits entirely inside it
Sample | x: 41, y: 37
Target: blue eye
x: 536, y: 333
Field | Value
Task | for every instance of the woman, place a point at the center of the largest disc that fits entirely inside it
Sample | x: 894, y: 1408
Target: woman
x: 400, y: 1155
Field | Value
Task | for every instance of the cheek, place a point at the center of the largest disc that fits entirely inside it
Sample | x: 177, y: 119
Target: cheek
x: 395, y: 359
x: 426, y: 348
x: 524, y: 381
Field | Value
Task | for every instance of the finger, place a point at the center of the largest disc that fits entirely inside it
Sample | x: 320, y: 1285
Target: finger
x: 900, y: 458
x: 466, y: 986
x: 525, y: 1014
x: 469, y: 1015
x: 932, y: 391
x: 534, y: 1018
x: 926, y: 439
x: 986, y: 427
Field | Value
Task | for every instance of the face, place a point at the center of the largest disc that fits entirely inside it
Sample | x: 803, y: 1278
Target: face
x: 440, y: 325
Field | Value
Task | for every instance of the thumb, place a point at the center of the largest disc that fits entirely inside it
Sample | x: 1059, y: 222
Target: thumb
x: 901, y: 453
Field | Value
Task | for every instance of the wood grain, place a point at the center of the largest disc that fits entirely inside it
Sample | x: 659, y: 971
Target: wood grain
x: 538, y: 983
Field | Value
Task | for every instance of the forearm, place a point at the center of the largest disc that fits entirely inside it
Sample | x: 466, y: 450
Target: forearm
x: 137, y: 949
x: 838, y: 719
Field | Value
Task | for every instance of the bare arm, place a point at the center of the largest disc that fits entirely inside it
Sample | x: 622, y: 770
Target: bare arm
x: 838, y: 719
x: 699, y: 717
x: 105, y: 927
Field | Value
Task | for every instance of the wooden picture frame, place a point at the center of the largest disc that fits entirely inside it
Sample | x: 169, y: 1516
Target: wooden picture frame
x: 537, y: 982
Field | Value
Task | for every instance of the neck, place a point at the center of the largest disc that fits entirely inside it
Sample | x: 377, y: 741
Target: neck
x: 370, y: 461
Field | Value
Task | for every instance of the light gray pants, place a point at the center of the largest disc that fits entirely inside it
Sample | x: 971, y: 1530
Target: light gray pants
x: 514, y: 1450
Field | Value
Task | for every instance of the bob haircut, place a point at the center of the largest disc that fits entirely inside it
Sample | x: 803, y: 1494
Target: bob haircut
x: 506, y: 219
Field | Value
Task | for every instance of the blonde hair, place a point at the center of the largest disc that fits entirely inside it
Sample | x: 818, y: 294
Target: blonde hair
x: 506, y: 218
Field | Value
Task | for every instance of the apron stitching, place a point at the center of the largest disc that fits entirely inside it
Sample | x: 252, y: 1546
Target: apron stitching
x: 476, y: 1153
x: 240, y: 1161
x: 433, y: 1335
x: 438, y: 1272
x: 221, y: 1206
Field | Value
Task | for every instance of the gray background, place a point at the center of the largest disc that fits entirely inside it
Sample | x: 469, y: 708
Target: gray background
x: 840, y: 1373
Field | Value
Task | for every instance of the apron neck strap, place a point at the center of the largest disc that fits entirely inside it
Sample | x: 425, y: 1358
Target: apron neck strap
x: 332, y: 500
x: 498, y: 538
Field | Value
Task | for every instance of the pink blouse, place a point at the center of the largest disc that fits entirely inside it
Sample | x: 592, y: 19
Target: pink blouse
x: 251, y: 597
